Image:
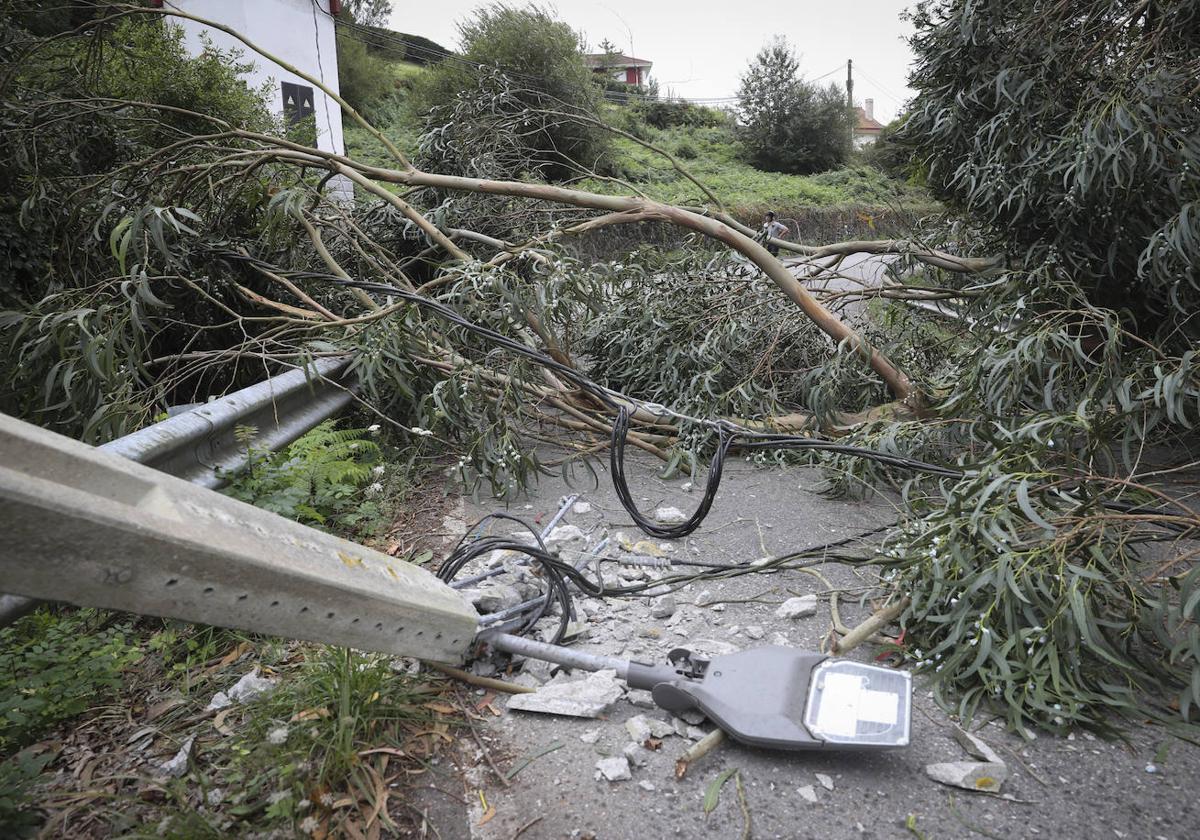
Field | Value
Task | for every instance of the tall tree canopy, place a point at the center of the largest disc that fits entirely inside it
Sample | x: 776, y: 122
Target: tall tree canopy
x: 788, y: 125
x: 1072, y: 128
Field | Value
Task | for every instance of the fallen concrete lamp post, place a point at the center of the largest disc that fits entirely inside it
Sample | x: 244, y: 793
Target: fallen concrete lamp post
x: 94, y: 529
x: 775, y: 697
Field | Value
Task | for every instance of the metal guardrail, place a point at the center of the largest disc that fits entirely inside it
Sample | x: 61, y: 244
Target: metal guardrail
x: 200, y: 445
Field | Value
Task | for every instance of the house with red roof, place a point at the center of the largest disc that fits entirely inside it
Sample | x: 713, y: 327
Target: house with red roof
x: 867, y: 129
x: 620, y: 67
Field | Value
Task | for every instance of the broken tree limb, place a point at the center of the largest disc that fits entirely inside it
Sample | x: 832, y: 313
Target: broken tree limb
x: 481, y: 682
x: 698, y: 750
x: 882, y: 618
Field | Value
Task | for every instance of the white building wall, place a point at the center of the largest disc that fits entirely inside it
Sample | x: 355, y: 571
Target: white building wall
x: 300, y: 32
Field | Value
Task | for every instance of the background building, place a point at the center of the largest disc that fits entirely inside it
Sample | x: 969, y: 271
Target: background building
x: 300, y: 32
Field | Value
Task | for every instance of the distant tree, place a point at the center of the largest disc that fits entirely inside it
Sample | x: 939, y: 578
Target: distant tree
x: 788, y: 125
x: 368, y: 12
x: 541, y: 60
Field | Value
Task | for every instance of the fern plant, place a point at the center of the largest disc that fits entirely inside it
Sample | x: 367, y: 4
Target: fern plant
x: 324, y: 478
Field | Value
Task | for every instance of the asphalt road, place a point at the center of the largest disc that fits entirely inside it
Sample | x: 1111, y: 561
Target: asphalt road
x: 1141, y: 786
x: 1059, y: 787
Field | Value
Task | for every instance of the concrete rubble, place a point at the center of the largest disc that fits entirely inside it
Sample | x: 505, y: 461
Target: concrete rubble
x: 802, y: 607
x: 589, y: 697
x: 613, y: 769
x: 988, y: 773
x: 668, y: 515
x: 249, y: 688
x: 175, y: 767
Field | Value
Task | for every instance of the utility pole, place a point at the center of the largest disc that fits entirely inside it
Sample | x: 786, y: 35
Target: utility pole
x: 850, y: 94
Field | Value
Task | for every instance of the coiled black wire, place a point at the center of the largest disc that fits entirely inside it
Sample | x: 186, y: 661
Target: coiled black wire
x: 729, y: 434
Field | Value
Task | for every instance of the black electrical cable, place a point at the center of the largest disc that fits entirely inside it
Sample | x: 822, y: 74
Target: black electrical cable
x: 729, y: 434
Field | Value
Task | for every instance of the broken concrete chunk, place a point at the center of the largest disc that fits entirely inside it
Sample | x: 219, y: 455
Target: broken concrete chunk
x: 670, y: 515
x: 590, y: 737
x: 582, y: 507
x: 249, y: 688
x: 711, y: 647
x: 755, y: 632
x: 492, y: 597
x: 826, y: 781
x: 645, y: 548
x: 278, y: 735
x: 808, y: 794
x: 636, y: 755
x: 663, y: 607
x: 567, y: 536
x: 638, y: 728
x: 780, y: 640
x: 969, y: 775
x: 175, y: 767
x: 589, y: 697
x: 614, y: 769
x: 641, y: 727
x: 646, y: 785
x: 801, y: 607
x: 975, y: 747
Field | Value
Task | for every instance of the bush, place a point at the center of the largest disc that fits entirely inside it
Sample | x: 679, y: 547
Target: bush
x: 364, y: 79
x: 889, y: 156
x: 686, y: 151
x: 541, y: 61
x: 668, y: 114
x: 788, y: 125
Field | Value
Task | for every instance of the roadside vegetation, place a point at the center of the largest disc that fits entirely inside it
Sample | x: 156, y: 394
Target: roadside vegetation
x: 1052, y: 582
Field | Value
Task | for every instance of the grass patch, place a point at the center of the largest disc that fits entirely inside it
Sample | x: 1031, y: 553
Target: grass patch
x: 92, y: 695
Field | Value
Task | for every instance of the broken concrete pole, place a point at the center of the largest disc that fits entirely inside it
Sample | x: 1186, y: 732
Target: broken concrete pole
x: 614, y: 769
x: 802, y: 607
x: 588, y: 698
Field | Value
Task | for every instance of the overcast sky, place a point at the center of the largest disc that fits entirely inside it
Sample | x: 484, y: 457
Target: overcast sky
x: 701, y: 47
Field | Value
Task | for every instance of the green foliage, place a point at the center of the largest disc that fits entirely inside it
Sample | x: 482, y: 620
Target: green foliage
x: 850, y: 203
x: 54, y: 665
x: 786, y: 124
x: 541, y: 63
x: 1070, y: 130
x: 368, y: 12
x: 18, y: 773
x: 318, y: 480
x: 665, y: 113
x: 364, y: 79
x: 890, y: 156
